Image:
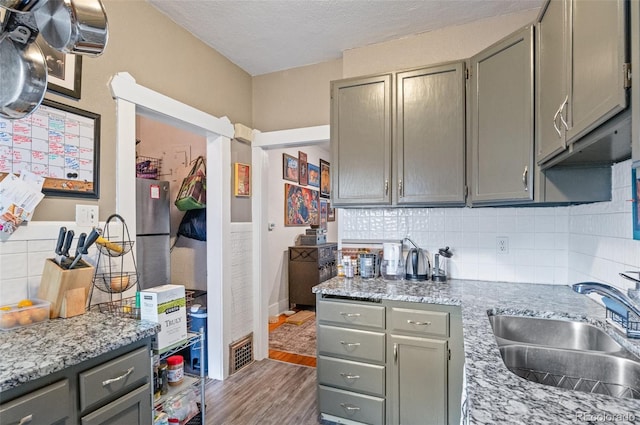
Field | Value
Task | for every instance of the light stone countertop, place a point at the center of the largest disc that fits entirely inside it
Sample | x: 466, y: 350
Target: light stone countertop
x: 35, y: 351
x: 494, y: 394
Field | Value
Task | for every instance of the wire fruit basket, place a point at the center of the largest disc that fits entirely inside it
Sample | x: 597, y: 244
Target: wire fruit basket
x: 115, y: 282
x: 114, y: 248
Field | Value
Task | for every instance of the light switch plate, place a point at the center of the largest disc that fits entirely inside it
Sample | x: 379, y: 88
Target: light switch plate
x: 86, y: 215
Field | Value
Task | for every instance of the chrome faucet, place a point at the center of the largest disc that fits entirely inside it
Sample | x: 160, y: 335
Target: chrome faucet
x: 616, y: 295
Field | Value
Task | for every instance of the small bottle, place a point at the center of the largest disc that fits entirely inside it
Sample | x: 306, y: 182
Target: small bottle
x: 340, y: 268
x: 348, y: 267
x: 162, y: 375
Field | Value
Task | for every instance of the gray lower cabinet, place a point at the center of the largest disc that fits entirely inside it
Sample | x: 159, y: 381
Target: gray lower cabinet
x: 418, y: 380
x: 389, y: 362
x: 580, y: 71
x: 112, y: 388
x: 48, y: 405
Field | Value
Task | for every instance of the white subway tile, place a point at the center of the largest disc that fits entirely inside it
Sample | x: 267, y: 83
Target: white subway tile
x: 488, y: 223
x: 14, y: 266
x: 453, y: 223
x: 13, y: 247
x: 487, y: 272
x: 43, y: 245
x: 13, y: 290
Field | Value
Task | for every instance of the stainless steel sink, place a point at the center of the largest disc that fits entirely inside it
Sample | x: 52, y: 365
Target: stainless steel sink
x: 552, y: 333
x: 566, y: 354
x: 590, y: 372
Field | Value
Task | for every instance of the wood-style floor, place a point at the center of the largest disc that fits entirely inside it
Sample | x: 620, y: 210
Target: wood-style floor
x: 289, y: 357
x: 267, y: 392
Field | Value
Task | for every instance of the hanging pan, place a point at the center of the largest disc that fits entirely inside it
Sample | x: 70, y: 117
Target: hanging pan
x: 22, y: 5
x: 74, y: 26
x: 23, y: 70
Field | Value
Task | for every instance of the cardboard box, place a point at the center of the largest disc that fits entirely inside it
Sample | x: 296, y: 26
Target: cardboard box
x: 167, y: 305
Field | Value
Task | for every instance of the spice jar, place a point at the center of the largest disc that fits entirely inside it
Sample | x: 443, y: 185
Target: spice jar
x: 175, y: 370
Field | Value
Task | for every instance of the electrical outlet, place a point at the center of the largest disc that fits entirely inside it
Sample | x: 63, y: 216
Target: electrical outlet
x: 86, y: 215
x: 502, y: 244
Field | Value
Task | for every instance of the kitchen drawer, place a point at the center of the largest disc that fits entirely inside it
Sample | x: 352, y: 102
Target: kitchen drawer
x: 47, y: 405
x: 112, y: 377
x: 420, y: 322
x: 353, y: 376
x: 352, y: 406
x: 132, y: 408
x: 353, y: 343
x: 351, y: 314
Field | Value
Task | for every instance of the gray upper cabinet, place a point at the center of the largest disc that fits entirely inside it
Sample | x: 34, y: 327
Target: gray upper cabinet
x: 581, y: 70
x: 501, y: 121
x: 361, y: 141
x: 430, y: 135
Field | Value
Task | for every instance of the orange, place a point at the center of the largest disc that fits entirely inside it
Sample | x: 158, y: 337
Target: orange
x: 5, y: 308
x: 25, y: 303
x: 24, y: 317
x: 8, y: 320
x: 39, y: 314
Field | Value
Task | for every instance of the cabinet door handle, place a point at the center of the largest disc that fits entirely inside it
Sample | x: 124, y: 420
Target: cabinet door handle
x: 350, y: 314
x: 350, y: 344
x: 395, y: 353
x: 349, y: 407
x: 349, y: 376
x: 555, y: 120
x: 400, y: 188
x: 119, y: 378
x: 525, y: 174
x: 413, y: 322
x: 27, y: 419
x: 565, y: 103
x: 386, y: 187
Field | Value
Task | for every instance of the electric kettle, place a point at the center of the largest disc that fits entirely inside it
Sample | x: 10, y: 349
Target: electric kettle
x: 417, y: 266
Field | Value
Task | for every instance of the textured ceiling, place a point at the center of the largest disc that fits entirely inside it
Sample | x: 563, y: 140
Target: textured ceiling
x: 263, y: 36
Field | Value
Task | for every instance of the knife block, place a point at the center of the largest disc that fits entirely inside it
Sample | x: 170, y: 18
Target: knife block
x: 67, y: 290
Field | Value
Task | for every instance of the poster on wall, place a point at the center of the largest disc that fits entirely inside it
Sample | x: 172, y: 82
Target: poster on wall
x: 303, y: 178
x: 325, y: 179
x: 242, y: 179
x: 635, y: 186
x: 301, y: 206
x: 314, y: 175
x: 289, y: 168
x: 324, y: 208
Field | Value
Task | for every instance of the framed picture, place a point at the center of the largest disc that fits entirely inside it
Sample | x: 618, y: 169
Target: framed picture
x: 301, y: 206
x: 303, y: 177
x: 64, y: 70
x: 325, y: 179
x: 242, y: 179
x: 331, y: 212
x: 324, y: 208
x: 314, y: 175
x: 59, y: 143
x: 289, y: 168
x: 635, y: 186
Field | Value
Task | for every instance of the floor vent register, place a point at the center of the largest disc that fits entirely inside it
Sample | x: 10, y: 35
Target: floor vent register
x: 240, y: 353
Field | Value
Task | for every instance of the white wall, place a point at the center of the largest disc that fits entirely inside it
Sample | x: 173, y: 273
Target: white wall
x: 559, y: 245
x: 281, y: 238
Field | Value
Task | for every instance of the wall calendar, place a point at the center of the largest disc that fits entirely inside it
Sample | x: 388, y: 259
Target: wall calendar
x: 57, y: 142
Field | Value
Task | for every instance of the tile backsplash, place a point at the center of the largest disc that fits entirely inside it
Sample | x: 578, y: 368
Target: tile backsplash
x: 559, y: 245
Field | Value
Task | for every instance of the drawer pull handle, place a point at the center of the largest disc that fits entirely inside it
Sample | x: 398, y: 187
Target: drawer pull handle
x: 27, y: 419
x: 349, y: 407
x: 119, y: 378
x: 350, y: 314
x: 349, y: 376
x: 413, y: 322
x: 350, y: 344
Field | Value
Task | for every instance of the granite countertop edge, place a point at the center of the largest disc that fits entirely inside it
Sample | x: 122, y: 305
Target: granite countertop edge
x: 493, y: 394
x: 36, y: 351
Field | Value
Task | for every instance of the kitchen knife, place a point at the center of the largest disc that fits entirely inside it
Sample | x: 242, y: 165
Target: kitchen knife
x: 67, y: 245
x: 85, y: 247
x: 61, y: 234
x: 80, y: 243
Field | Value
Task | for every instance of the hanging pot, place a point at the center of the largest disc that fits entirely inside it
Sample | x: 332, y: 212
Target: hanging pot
x: 74, y: 26
x: 23, y: 72
x: 22, y: 5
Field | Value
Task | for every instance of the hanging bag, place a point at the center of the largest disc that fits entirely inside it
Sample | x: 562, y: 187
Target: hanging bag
x: 193, y: 192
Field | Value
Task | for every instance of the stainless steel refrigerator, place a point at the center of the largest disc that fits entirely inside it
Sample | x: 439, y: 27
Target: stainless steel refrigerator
x: 153, y: 224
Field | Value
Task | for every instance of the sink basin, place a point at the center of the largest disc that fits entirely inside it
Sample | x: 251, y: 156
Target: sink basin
x: 590, y: 372
x: 565, y: 354
x: 552, y: 333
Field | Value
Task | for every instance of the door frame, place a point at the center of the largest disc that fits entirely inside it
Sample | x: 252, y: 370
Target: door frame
x: 133, y: 99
